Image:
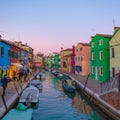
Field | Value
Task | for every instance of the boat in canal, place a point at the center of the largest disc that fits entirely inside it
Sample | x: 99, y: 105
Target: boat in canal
x: 41, y: 76
x: 21, y: 112
x: 30, y: 96
x: 36, y: 83
x: 68, y: 86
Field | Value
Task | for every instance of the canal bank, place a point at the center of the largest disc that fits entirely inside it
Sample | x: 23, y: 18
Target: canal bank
x: 13, y: 91
x: 91, y: 89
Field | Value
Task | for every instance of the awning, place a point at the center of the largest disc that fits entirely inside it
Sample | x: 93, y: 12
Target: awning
x: 5, y: 67
x: 18, y: 65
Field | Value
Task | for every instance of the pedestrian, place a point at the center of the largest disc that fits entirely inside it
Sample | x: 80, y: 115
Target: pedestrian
x: 4, y: 82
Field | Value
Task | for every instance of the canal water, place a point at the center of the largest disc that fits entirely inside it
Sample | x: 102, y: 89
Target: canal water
x: 55, y: 104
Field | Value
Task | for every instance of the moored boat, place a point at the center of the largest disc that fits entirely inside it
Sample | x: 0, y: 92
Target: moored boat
x: 36, y: 83
x: 68, y: 87
x: 21, y: 112
x: 30, y: 96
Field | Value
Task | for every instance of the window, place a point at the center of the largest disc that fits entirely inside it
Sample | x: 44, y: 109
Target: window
x: 76, y: 50
x: 75, y: 58
x: 92, y: 56
x: 81, y: 48
x: 79, y: 58
x: 101, y: 55
x: 101, y: 71
x: 113, y: 52
x: 92, y: 70
x: 113, y: 72
x: 101, y: 42
x: 1, y: 51
x: 92, y: 45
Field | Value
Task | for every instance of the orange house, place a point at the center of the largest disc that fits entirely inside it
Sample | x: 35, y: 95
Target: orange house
x: 82, y: 59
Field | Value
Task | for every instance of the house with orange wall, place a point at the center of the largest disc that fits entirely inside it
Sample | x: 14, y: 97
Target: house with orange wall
x: 82, y: 59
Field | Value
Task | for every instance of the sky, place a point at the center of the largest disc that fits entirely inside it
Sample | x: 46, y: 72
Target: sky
x: 48, y: 25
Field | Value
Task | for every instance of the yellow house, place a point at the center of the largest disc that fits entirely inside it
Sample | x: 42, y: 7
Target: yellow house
x: 63, y: 58
x: 115, y: 52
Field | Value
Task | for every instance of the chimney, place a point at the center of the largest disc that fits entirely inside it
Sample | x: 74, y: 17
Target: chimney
x: 91, y: 37
x: 116, y: 29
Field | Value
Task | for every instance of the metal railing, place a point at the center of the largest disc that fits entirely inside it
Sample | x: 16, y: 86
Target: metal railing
x: 109, y: 86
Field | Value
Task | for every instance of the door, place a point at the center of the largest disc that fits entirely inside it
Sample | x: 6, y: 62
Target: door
x: 96, y: 73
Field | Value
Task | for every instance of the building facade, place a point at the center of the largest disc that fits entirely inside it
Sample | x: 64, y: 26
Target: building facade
x: 115, y: 53
x: 82, y: 59
x: 100, y: 57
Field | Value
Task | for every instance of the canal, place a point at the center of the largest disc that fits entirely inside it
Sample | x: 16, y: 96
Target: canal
x: 55, y: 104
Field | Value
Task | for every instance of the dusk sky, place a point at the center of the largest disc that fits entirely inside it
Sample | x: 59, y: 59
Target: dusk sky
x: 48, y: 25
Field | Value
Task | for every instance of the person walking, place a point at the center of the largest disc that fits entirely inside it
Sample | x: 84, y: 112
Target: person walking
x: 4, y: 82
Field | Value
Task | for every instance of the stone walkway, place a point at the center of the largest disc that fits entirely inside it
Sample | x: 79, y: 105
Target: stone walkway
x: 11, y: 94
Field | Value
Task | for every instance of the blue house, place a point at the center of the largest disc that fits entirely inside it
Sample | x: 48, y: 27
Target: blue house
x: 4, y: 57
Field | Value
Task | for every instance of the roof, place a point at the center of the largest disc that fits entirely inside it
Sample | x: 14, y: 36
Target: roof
x: 12, y: 43
x: 68, y: 49
x: 105, y: 35
x: 84, y: 44
x: 68, y: 55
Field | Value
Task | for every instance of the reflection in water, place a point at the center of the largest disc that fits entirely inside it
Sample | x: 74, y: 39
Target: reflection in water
x: 80, y: 104
x: 55, y: 104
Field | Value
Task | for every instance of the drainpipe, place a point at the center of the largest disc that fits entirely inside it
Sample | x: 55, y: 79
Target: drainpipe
x: 119, y: 83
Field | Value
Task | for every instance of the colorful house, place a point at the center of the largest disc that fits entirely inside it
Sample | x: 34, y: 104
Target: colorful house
x: 100, y: 57
x: 82, y: 59
x: 4, y: 58
x: 39, y: 59
x: 56, y: 61
x: 115, y: 53
x: 73, y: 59
x: 68, y: 63
x: 63, y: 59
x: 30, y: 52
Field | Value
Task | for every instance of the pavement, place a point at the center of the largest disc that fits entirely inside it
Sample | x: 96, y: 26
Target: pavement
x: 12, y: 94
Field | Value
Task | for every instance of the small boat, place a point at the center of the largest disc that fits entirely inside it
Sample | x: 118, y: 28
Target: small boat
x: 67, y: 87
x: 21, y: 112
x: 60, y: 75
x: 30, y: 96
x: 41, y: 76
x: 36, y: 83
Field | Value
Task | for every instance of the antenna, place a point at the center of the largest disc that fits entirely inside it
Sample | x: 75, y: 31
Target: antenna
x: 113, y: 23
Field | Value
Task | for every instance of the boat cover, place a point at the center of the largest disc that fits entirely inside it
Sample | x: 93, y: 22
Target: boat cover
x: 15, y: 114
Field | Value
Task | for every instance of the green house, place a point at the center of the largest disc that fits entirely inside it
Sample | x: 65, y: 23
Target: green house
x: 100, y: 57
x: 56, y: 61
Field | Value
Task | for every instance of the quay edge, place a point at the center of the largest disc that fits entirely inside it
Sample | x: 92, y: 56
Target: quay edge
x: 97, y: 101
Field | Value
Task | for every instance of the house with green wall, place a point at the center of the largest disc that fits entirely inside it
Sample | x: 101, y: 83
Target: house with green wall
x: 115, y: 53
x: 100, y: 57
x: 56, y: 61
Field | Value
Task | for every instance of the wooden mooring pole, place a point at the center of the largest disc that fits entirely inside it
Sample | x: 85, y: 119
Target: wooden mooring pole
x: 86, y: 81
x: 3, y: 99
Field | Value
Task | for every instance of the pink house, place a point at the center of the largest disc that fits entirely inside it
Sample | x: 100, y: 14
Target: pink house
x: 82, y: 59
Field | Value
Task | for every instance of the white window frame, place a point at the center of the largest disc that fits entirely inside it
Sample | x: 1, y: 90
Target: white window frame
x: 93, y: 45
x: 101, y: 42
x: 101, y: 55
x: 92, y: 55
x: 101, y: 68
x: 92, y: 69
